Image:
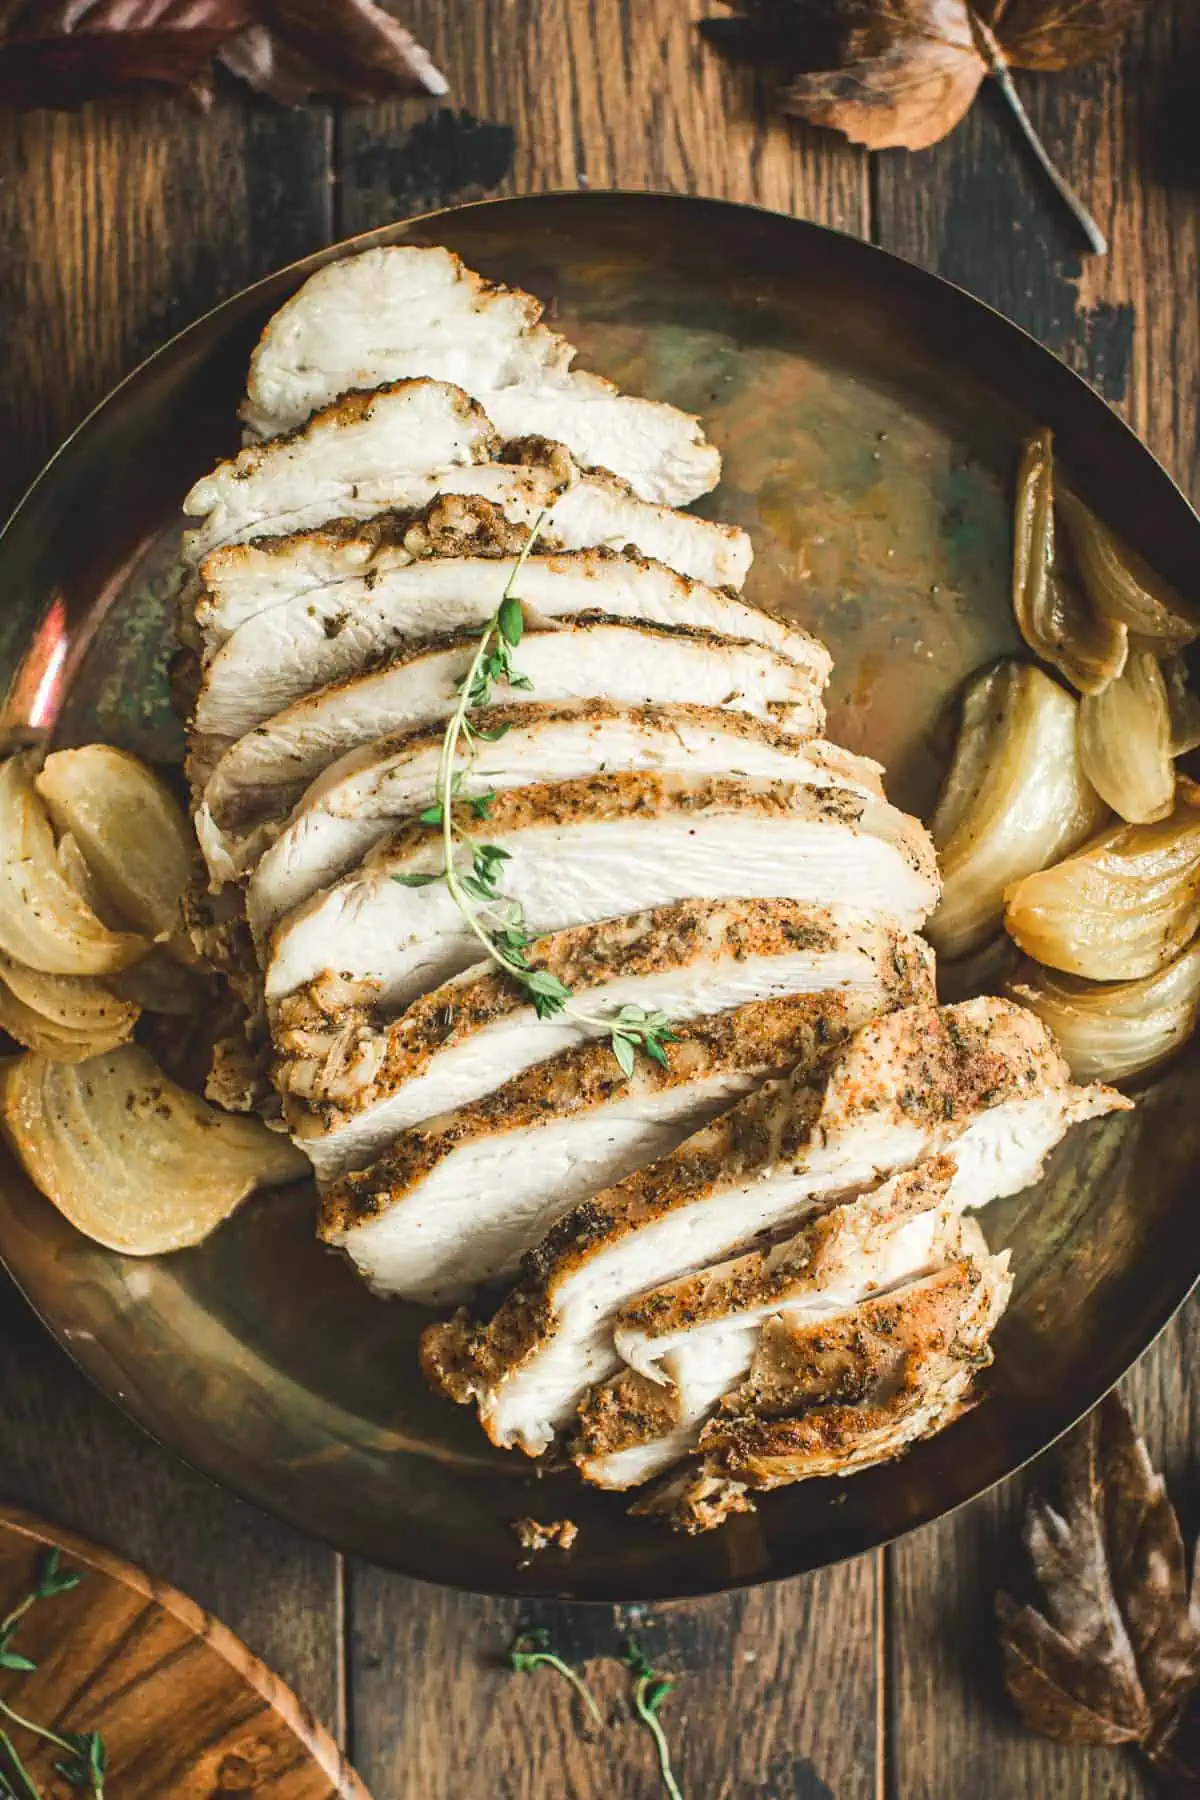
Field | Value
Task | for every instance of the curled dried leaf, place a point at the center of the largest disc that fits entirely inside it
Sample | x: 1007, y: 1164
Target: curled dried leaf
x: 1014, y: 800
x: 1114, y: 1654
x: 1125, y: 741
x: 1122, y: 906
x: 1054, y: 617
x: 1120, y: 583
x: 130, y: 829
x: 44, y: 921
x: 130, y: 1159
x: 1113, y: 1030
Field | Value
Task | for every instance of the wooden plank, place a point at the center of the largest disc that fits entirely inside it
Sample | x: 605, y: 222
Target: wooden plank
x: 775, y: 1694
x: 118, y: 225
x: 974, y: 210
x: 599, y: 93
x: 606, y: 94
x: 183, y: 1706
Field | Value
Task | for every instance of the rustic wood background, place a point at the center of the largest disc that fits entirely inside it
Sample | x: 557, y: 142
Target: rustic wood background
x: 118, y: 226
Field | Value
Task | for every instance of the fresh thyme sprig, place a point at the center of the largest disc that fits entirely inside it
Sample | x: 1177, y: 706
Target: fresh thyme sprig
x: 85, y: 1760
x: 649, y: 1692
x: 497, y: 922
x: 532, y: 1649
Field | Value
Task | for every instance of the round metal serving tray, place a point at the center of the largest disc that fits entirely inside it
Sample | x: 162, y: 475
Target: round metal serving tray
x: 870, y: 417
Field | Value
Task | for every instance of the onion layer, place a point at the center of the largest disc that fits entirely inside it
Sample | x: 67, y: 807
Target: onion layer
x: 1055, y: 619
x: 130, y: 829
x: 65, y: 1017
x: 1183, y: 705
x: 1125, y: 741
x: 1014, y: 800
x: 1122, y: 907
x: 1119, y: 583
x: 1111, y: 1030
x: 45, y: 922
x: 129, y: 1158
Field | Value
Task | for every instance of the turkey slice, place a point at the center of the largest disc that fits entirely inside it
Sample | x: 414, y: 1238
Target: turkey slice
x: 832, y: 1397
x: 982, y: 1080
x: 458, y: 1200
x: 597, y: 848
x: 452, y: 1047
x: 387, y: 314
x: 368, y: 794
x: 397, y: 448
x: 352, y: 1077
x: 258, y: 779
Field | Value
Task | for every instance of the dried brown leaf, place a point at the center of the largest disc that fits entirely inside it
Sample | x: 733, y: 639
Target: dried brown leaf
x: 902, y: 73
x: 1114, y: 1656
x: 59, y: 53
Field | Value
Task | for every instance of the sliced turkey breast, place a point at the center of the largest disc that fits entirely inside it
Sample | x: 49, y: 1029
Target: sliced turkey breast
x: 577, y: 851
x: 367, y: 795
x: 342, y: 563
x: 834, y: 1396
x: 457, y: 1201
x: 324, y: 636
x: 351, y: 1077
x: 387, y: 314
x: 397, y: 448
x: 982, y: 1080
x: 639, y: 668
x: 690, y: 1342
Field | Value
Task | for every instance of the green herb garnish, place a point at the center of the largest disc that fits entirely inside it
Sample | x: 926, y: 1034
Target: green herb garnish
x: 497, y: 922
x: 84, y: 1761
x: 533, y: 1649
x: 649, y: 1692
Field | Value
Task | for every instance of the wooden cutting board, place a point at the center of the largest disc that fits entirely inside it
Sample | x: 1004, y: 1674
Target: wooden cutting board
x: 186, y: 1712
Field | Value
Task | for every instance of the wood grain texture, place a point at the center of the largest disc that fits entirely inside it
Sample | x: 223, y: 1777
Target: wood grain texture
x: 775, y: 1697
x: 973, y: 209
x: 579, y: 93
x: 184, y: 1707
x: 119, y: 225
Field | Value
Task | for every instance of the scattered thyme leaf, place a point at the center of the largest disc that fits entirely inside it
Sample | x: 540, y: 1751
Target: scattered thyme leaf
x: 510, y: 620
x: 625, y: 1051
x: 416, y: 881
x: 481, y: 805
x: 650, y: 1689
x: 85, y: 1757
x: 533, y: 1649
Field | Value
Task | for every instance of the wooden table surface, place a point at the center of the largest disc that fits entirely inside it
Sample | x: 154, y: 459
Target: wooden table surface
x: 121, y: 224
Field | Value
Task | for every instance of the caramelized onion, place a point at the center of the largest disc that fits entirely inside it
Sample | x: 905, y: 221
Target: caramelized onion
x: 1123, y: 906
x: 65, y: 1017
x: 45, y: 922
x: 1014, y: 800
x: 1054, y: 617
x: 1119, y: 583
x: 131, y: 830
x: 1111, y: 1030
x: 130, y: 1159
x: 1183, y: 705
x: 1125, y: 741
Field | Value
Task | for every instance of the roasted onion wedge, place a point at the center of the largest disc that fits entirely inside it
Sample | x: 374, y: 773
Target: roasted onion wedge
x: 1111, y: 1030
x: 45, y: 922
x: 130, y: 1159
x: 1014, y: 800
x: 1183, y: 704
x: 65, y: 1017
x: 1125, y: 741
x: 1119, y: 584
x: 130, y: 828
x: 1056, y: 618
x: 1123, y: 906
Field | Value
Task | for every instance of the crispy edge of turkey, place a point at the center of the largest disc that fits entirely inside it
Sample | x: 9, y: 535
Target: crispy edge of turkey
x: 583, y: 957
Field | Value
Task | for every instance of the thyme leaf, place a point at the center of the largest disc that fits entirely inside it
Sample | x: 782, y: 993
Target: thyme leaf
x: 85, y: 1758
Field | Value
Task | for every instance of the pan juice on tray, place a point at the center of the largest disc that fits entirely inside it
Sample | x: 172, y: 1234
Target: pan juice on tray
x: 581, y: 967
